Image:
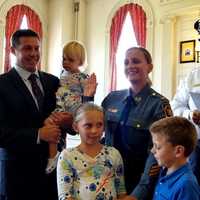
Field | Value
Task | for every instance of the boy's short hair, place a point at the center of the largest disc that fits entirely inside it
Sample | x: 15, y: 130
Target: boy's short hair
x: 178, y: 130
x: 75, y: 49
x: 15, y: 40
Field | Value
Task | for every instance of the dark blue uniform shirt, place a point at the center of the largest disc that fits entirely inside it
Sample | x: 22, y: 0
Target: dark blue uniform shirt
x: 128, y: 118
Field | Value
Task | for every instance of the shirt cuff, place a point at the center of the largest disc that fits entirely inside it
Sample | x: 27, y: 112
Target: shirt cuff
x: 52, y: 163
x: 38, y: 137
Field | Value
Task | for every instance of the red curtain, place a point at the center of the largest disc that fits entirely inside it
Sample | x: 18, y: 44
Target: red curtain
x: 138, y: 17
x: 33, y: 20
x: 13, y: 21
x: 115, y: 32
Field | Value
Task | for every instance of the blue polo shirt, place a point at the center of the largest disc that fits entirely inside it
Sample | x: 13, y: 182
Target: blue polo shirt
x: 179, y: 185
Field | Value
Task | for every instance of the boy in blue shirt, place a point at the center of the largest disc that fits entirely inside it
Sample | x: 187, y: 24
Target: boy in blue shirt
x: 174, y: 139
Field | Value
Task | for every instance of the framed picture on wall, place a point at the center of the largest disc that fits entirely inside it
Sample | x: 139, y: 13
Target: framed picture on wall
x: 187, y: 51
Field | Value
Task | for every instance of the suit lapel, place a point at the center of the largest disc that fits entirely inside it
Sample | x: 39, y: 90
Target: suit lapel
x: 43, y: 82
x: 22, y: 88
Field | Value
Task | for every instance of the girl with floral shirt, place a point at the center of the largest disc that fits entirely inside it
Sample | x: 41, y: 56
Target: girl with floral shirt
x: 91, y: 170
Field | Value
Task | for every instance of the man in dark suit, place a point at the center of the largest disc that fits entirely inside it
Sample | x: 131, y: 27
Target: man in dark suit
x: 23, y: 136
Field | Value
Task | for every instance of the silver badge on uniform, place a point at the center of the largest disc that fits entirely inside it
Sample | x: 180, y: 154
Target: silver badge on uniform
x: 113, y: 110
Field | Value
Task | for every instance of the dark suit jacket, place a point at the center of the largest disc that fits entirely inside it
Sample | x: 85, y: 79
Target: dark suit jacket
x: 22, y: 160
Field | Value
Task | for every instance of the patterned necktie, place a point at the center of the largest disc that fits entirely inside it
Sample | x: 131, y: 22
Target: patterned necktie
x: 36, y: 90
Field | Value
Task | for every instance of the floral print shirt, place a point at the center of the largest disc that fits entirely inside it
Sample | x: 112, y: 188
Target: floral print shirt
x: 86, y: 178
x: 68, y: 96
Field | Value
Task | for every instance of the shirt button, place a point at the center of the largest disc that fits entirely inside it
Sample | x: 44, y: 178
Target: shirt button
x: 153, y: 93
x: 138, y: 125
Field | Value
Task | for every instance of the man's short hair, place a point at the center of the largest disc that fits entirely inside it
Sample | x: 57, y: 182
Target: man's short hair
x: 15, y: 41
x: 178, y: 131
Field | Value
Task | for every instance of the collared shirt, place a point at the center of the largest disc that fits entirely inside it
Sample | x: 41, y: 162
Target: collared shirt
x: 179, y: 185
x: 24, y: 74
x: 146, y: 107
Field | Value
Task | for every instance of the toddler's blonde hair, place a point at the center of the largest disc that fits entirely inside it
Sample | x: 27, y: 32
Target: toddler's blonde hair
x: 75, y: 50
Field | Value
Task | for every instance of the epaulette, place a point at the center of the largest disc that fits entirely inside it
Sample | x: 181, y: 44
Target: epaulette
x: 165, y: 103
x: 153, y: 93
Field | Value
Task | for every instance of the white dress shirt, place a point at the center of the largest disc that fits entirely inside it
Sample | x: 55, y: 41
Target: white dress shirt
x: 25, y: 75
x: 187, y: 97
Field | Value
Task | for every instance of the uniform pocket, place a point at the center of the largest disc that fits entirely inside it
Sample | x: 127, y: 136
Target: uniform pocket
x: 138, y: 137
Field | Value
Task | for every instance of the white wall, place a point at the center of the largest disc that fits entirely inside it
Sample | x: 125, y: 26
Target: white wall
x: 185, y: 31
x: 181, y: 16
x: 60, y: 30
x: 64, y: 25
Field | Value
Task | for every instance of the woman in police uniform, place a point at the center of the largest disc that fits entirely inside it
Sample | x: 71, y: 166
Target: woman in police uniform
x: 130, y: 112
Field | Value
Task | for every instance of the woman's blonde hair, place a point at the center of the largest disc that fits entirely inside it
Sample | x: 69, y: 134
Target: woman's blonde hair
x: 75, y: 50
x: 147, y: 55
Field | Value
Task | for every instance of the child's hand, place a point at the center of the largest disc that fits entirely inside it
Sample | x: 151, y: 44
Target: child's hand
x: 49, y: 121
x: 90, y: 86
x: 61, y: 119
x: 50, y: 133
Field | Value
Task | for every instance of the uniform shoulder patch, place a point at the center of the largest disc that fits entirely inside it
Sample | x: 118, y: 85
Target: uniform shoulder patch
x: 167, y: 111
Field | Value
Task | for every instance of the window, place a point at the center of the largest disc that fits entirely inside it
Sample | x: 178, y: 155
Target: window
x: 134, y: 15
x: 24, y: 24
x: 127, y: 40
